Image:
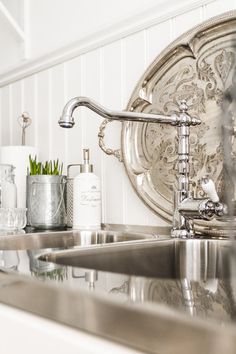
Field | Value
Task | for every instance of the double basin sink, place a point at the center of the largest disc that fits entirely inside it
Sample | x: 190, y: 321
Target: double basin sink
x: 153, y: 255
x: 197, y: 276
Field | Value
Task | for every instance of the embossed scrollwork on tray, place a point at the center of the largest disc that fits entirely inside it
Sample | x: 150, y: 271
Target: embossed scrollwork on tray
x: 198, y: 67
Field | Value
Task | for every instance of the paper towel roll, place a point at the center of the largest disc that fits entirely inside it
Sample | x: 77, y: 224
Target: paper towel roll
x: 18, y: 156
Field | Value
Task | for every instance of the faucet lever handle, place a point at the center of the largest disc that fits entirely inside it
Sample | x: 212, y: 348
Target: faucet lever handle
x: 209, y: 188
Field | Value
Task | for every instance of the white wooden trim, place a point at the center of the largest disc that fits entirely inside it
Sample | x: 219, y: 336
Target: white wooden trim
x: 11, y: 21
x: 148, y: 18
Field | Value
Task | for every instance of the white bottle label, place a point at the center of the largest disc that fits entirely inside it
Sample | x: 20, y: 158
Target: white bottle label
x: 86, y: 202
x: 90, y: 196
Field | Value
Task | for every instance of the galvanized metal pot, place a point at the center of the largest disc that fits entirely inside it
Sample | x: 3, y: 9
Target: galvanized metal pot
x: 46, y: 201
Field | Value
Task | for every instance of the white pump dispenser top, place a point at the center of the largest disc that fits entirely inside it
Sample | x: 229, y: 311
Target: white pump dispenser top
x: 86, y: 167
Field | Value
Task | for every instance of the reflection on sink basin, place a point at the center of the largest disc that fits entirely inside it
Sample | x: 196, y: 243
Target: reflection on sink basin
x: 172, y: 259
x: 197, y: 276
x: 68, y: 239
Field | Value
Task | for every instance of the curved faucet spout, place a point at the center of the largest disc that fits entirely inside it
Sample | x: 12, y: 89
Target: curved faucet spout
x: 67, y: 120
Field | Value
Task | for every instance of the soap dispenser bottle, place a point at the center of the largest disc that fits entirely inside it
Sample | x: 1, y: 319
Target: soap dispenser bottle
x: 86, y: 197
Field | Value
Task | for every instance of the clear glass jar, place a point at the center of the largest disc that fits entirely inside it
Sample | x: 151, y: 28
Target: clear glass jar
x: 7, y: 187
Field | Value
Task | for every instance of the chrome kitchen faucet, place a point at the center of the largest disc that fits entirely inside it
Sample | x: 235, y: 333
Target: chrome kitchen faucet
x: 186, y: 207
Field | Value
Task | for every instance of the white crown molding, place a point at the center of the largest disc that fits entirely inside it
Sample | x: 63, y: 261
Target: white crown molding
x: 157, y: 14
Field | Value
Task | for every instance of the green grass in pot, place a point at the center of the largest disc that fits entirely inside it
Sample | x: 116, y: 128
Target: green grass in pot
x: 48, y: 168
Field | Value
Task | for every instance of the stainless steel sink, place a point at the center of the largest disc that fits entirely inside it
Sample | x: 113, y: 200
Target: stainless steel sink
x: 194, y: 276
x: 68, y: 239
x: 197, y: 276
x: 173, y: 259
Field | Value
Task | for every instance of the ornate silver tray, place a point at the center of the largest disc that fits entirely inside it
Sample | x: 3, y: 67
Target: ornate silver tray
x: 197, y: 67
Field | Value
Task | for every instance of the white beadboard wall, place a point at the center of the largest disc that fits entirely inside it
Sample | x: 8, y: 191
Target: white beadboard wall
x: 108, y: 73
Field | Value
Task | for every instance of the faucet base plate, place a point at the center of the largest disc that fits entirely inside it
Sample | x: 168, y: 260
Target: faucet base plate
x: 182, y: 233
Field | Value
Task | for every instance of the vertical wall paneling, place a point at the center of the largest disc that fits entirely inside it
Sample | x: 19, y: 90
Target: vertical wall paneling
x: 65, y: 130
x: 92, y: 121
x: 74, y: 136
x: 123, y: 102
x: 0, y: 116
x: 10, y: 113
x: 146, y: 47
x: 112, y: 98
x: 57, y: 134
x: 5, y: 116
x: 102, y: 174
x: 134, y: 62
x: 28, y: 105
x: 172, y: 29
x: 16, y: 110
x: 36, y: 109
x: 219, y: 6
x: 82, y: 118
x: 185, y: 21
x: 203, y: 13
x: 156, y: 40
x: 134, y: 66
x: 43, y: 115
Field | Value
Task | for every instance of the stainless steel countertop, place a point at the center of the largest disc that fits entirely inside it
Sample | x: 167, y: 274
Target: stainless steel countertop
x: 122, y: 310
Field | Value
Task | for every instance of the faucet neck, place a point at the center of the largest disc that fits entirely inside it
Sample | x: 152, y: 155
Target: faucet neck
x: 182, y: 227
x: 187, y: 208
